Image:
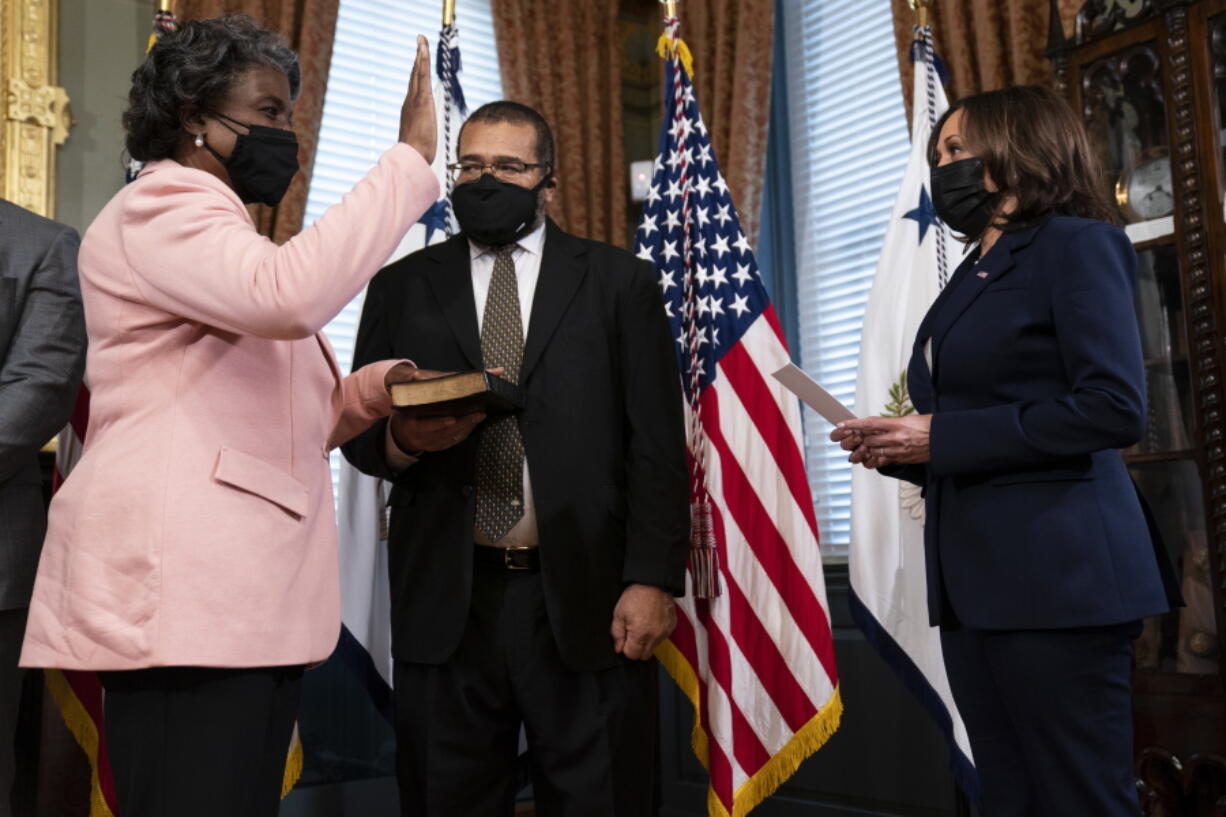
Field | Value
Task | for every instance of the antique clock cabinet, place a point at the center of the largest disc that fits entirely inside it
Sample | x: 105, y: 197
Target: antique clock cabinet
x: 1149, y: 79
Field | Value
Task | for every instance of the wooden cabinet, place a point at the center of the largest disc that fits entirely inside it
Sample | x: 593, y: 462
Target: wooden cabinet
x: 1149, y: 78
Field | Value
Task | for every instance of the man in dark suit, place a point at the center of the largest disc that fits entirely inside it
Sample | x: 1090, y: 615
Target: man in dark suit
x: 42, y: 356
x: 533, y: 558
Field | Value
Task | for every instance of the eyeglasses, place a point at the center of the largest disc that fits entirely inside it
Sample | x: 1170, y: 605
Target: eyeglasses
x: 503, y: 171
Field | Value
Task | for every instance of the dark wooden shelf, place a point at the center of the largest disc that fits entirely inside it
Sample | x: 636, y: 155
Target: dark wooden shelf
x: 1160, y: 456
x: 1149, y: 244
x: 1177, y: 683
x: 1180, y: 359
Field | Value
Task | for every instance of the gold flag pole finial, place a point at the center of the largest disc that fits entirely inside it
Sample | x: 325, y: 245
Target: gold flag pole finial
x: 670, y: 45
x: 163, y: 22
x: 448, y: 13
x: 920, y: 7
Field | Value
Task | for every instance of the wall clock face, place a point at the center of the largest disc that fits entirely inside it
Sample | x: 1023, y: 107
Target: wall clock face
x: 1144, y: 190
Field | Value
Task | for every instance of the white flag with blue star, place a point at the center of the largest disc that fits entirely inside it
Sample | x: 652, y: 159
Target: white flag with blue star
x: 366, y: 640
x: 889, y: 592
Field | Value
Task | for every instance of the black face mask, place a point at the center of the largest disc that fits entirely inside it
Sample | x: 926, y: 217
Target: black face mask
x: 496, y: 213
x: 262, y: 164
x: 960, y: 198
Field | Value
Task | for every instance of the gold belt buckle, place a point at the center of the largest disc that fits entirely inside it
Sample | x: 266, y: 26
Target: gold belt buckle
x: 506, y: 558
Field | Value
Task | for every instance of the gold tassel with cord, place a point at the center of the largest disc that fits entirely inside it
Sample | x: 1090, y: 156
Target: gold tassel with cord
x: 667, y: 48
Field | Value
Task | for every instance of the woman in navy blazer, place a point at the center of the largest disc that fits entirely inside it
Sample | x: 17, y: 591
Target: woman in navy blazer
x: 1027, y: 379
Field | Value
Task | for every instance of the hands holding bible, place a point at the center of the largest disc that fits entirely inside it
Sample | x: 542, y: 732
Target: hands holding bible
x: 417, y: 435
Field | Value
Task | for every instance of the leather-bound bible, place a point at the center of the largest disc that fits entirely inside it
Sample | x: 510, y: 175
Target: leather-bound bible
x: 457, y: 394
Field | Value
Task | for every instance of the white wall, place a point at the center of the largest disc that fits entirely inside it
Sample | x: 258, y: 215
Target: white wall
x: 101, y: 42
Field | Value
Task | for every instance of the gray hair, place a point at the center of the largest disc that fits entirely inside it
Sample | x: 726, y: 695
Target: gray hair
x: 196, y: 66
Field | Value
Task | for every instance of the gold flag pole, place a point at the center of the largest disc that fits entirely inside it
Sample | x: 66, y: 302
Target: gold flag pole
x: 448, y: 12
x: 920, y: 7
x: 670, y: 8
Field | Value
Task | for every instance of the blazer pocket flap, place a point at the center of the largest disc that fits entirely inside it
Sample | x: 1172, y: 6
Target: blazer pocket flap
x: 247, y: 473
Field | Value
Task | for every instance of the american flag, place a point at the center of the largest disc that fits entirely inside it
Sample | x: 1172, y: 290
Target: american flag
x: 753, y: 647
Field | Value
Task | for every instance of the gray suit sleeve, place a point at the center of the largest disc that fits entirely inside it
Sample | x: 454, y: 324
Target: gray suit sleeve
x: 43, y: 365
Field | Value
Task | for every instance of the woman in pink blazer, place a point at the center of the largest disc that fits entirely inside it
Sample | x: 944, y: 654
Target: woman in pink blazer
x: 191, y: 556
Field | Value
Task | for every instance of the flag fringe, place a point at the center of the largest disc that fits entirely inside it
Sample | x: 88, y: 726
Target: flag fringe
x: 84, y: 731
x: 293, y: 765
x: 782, y: 765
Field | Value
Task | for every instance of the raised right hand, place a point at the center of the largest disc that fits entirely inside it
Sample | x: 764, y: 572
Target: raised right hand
x: 418, y: 120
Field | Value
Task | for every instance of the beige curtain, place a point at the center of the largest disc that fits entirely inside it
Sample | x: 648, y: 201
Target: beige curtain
x: 986, y: 44
x: 564, y: 60
x: 309, y: 26
x: 732, y: 45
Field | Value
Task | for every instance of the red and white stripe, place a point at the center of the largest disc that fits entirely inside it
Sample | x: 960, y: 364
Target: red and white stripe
x: 762, y: 651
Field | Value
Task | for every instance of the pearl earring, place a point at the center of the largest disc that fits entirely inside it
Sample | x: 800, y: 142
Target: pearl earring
x: 199, y: 140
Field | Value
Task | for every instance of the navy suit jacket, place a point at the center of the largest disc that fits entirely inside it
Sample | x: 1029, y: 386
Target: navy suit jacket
x: 1036, y: 382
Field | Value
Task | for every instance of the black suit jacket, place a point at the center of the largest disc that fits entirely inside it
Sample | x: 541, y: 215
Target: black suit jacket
x: 42, y: 356
x: 603, y: 434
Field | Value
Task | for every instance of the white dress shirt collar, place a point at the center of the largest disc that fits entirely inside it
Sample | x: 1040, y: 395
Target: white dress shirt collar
x: 532, y: 243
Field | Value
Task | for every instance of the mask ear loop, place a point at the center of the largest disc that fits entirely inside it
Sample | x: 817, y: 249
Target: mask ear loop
x: 221, y: 117
x: 201, y: 143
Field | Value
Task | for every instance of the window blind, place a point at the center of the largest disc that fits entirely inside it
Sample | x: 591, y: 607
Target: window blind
x: 849, y: 145
x: 372, y: 56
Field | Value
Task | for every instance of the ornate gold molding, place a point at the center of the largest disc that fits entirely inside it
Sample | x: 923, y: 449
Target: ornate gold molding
x: 36, y: 113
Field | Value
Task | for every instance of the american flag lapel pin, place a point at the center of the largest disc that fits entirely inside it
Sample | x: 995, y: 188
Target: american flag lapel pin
x: 982, y: 274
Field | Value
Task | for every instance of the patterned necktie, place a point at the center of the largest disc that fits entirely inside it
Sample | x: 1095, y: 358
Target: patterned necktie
x: 500, y: 455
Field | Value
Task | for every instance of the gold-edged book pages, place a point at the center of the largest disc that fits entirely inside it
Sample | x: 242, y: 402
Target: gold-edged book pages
x: 454, y: 395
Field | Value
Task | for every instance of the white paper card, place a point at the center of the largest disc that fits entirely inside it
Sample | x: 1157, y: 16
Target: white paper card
x: 813, y: 395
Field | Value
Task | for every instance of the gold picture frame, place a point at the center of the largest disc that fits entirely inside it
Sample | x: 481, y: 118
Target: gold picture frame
x: 36, y: 113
